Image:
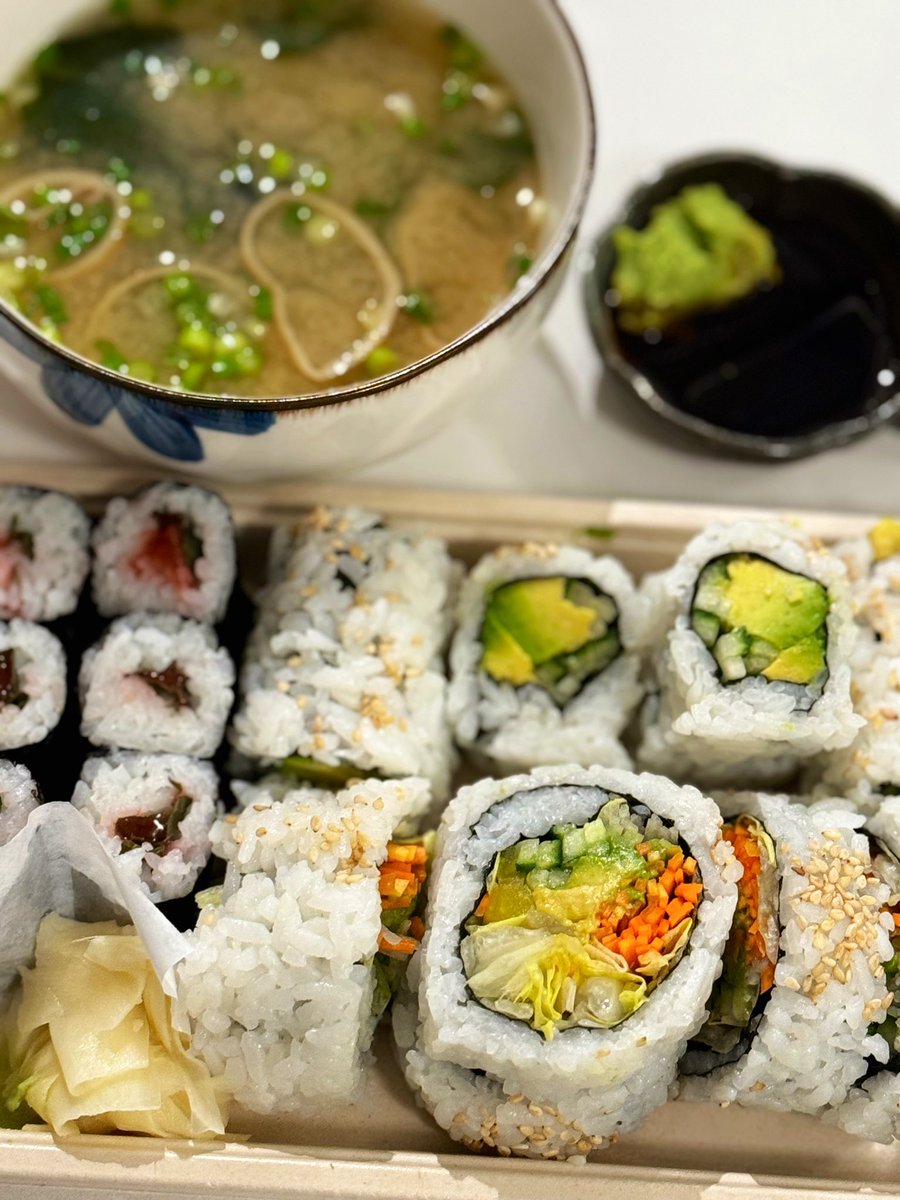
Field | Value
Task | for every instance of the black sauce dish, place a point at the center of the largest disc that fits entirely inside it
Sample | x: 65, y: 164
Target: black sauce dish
x: 812, y: 362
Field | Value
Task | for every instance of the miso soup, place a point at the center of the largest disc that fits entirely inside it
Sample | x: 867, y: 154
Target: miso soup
x: 262, y: 197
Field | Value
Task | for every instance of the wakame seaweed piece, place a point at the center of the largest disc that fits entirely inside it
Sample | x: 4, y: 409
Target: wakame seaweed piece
x: 479, y: 158
x: 83, y: 92
x: 300, y: 26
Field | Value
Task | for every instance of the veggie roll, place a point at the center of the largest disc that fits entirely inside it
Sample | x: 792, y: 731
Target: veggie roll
x: 797, y: 1037
x: 156, y: 683
x: 545, y: 663
x: 153, y: 813
x: 869, y: 768
x: 576, y: 920
x: 343, y: 573
x: 44, y: 557
x: 872, y: 1110
x: 474, y: 1108
x: 280, y: 986
x: 170, y: 548
x: 32, y: 684
x: 342, y: 676
x: 754, y: 634
x: 19, y: 796
x: 873, y: 567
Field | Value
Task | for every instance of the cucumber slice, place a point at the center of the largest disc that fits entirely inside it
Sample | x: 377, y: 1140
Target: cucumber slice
x: 526, y: 854
x: 706, y: 625
x: 594, y: 832
x: 711, y: 595
x: 548, y: 854
x: 761, y: 655
x: 730, y: 653
x: 573, y: 844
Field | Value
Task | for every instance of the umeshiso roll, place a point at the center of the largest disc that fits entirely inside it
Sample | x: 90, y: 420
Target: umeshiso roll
x: 819, y: 990
x: 156, y: 683
x: 19, y: 797
x: 170, y: 548
x: 44, y: 556
x: 153, y: 814
x: 872, y: 1110
x: 343, y: 674
x: 753, y: 635
x: 575, y: 924
x: 281, y: 984
x: 545, y: 661
x: 32, y: 685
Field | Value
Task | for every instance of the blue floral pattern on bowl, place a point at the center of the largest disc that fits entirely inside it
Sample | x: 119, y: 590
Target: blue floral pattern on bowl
x: 167, y: 429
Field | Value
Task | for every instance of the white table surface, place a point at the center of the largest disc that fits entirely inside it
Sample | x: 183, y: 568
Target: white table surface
x: 810, y: 81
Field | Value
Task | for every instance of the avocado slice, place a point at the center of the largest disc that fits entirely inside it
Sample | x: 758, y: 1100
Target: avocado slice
x: 756, y: 618
x: 885, y: 538
x: 550, y: 631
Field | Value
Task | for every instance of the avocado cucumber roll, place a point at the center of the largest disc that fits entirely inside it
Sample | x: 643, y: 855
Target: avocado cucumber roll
x: 873, y: 567
x: 576, y: 921
x: 544, y: 663
x: 752, y: 637
x: 812, y: 1029
x: 867, y: 770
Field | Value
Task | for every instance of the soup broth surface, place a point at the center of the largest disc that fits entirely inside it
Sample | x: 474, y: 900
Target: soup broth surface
x: 266, y: 198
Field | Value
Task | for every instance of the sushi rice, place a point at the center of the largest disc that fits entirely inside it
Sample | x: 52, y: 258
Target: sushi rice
x: 19, y: 797
x: 33, y: 692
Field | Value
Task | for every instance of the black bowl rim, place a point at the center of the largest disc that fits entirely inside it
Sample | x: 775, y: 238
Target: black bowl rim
x: 600, y: 318
x: 549, y: 263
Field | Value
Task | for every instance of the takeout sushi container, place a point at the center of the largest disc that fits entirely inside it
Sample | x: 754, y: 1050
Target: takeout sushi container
x: 342, y: 428
x: 386, y: 1147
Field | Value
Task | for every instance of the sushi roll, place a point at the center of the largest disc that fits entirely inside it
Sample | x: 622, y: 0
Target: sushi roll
x: 153, y: 813
x: 280, y: 985
x: 545, y: 662
x: 791, y: 1024
x: 873, y: 567
x: 474, y: 1108
x: 170, y: 548
x: 869, y: 768
x: 872, y: 1110
x: 156, y: 683
x: 343, y: 573
x: 44, y: 555
x: 753, y: 636
x: 575, y: 925
x: 32, y: 684
x: 343, y: 676
x: 19, y: 797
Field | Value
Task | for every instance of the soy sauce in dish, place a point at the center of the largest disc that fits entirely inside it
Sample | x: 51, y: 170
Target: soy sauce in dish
x: 817, y: 348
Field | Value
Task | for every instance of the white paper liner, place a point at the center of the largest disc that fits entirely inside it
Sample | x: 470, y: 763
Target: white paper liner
x: 58, y: 864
